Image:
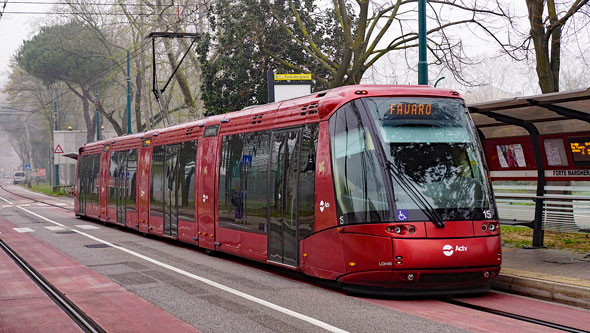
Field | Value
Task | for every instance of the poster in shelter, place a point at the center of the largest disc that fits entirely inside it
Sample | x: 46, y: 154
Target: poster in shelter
x: 511, y: 156
x: 555, y: 152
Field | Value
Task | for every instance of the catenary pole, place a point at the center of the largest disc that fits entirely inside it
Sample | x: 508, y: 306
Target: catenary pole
x: 422, y: 62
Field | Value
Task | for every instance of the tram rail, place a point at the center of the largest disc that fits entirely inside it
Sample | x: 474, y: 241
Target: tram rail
x: 513, y: 316
x: 67, y: 306
x: 35, y: 200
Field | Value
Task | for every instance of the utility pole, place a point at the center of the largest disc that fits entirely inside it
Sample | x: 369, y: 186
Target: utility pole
x: 128, y: 95
x: 97, y: 117
x: 55, y: 128
x: 422, y: 62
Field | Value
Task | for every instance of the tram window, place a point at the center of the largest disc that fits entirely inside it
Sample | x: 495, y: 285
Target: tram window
x: 131, y: 180
x: 307, y: 180
x: 114, y: 171
x: 230, y: 201
x: 358, y: 180
x: 82, y: 177
x: 157, y: 181
x: 186, y: 179
x: 210, y: 131
x: 254, y: 175
x: 94, y: 178
x: 243, y: 182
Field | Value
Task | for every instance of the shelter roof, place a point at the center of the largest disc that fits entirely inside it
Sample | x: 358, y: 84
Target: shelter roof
x: 549, y: 113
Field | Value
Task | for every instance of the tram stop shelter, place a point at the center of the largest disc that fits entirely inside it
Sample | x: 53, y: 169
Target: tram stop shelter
x: 538, y: 152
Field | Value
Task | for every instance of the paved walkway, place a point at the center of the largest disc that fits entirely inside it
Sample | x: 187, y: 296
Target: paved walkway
x: 555, y: 275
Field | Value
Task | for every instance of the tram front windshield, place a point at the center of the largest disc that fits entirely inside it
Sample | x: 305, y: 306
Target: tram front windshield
x: 431, y: 157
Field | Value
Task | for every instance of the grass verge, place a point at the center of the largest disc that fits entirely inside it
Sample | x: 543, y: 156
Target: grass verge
x: 46, y: 189
x: 516, y: 236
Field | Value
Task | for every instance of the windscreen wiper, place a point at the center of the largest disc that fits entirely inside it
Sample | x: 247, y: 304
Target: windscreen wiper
x: 415, y: 195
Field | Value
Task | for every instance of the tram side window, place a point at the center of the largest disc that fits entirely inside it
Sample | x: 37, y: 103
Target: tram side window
x: 254, y: 172
x: 243, y: 183
x: 157, y: 181
x: 186, y: 180
x: 114, y: 175
x: 82, y: 177
x: 230, y: 181
x: 307, y: 180
x: 93, y: 169
x: 131, y: 180
x: 358, y: 181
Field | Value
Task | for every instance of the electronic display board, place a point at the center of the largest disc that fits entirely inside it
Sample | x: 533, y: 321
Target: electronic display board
x: 580, y: 150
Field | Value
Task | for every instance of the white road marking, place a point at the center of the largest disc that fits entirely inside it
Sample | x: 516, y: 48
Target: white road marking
x: 60, y: 204
x: 212, y: 283
x: 25, y: 205
x: 87, y: 227
x: 6, y: 200
x: 40, y: 204
x: 55, y: 228
x: 21, y: 230
x: 4, y: 206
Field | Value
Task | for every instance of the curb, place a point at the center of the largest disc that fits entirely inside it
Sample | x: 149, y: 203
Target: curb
x: 543, y: 289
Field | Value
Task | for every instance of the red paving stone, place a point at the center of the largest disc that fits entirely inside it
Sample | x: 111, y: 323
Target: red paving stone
x: 114, y: 308
x: 551, y: 312
x: 460, y: 317
x: 24, y: 307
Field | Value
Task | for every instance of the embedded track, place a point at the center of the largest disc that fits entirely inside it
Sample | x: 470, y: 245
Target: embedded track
x: 35, y: 200
x: 80, y: 318
x: 514, y: 316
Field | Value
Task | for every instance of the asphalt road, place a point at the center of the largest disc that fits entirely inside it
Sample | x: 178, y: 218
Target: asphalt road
x: 228, y: 294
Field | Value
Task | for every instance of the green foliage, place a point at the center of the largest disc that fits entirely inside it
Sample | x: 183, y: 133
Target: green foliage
x: 71, y: 52
x: 248, y: 41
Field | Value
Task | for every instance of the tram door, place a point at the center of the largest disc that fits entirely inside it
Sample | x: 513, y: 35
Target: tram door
x: 205, y: 187
x: 83, y: 178
x: 171, y: 190
x: 283, y: 219
x: 121, y: 158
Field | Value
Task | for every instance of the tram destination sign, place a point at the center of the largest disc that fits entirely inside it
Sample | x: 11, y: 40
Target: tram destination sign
x: 410, y: 109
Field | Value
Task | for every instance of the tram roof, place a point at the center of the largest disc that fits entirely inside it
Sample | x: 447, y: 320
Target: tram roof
x: 331, y: 99
x: 555, y: 113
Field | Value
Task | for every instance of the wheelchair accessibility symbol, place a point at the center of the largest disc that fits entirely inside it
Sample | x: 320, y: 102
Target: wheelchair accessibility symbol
x: 402, y: 215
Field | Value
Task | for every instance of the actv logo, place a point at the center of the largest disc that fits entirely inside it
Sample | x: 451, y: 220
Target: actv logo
x: 448, y: 249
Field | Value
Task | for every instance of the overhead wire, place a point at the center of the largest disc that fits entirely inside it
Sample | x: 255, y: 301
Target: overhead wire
x: 132, y: 55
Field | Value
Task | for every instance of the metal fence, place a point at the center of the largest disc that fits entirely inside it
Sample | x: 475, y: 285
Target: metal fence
x: 565, y: 208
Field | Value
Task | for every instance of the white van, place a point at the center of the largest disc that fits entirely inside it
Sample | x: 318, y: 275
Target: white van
x: 19, y: 177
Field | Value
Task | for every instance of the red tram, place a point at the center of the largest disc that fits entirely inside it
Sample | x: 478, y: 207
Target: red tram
x: 381, y: 188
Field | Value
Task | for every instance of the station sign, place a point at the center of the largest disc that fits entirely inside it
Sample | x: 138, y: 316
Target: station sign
x: 294, y: 77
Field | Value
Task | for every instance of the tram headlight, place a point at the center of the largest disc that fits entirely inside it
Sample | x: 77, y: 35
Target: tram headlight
x: 397, y: 230
x: 410, y: 277
x: 411, y: 229
x: 492, y: 227
x: 484, y: 227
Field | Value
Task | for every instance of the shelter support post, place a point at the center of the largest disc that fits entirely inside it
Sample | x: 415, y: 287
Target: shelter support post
x: 538, y: 232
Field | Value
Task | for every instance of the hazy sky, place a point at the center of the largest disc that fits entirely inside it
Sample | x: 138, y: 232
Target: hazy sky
x: 15, y: 28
